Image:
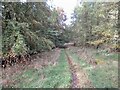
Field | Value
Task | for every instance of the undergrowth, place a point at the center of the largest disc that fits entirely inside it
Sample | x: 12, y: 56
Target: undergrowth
x: 55, y: 76
x: 102, y: 76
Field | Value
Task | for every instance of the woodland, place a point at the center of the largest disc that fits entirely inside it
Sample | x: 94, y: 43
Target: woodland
x: 39, y: 50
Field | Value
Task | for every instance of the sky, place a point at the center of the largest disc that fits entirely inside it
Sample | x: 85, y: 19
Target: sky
x: 67, y: 5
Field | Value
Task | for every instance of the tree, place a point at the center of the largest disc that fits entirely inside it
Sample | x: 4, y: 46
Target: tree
x: 96, y: 24
x: 29, y: 27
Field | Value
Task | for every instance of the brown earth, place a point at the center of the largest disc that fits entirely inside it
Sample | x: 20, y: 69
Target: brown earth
x: 38, y: 61
x: 79, y: 76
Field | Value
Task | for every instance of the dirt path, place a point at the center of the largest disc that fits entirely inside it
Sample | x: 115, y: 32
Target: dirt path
x: 79, y: 76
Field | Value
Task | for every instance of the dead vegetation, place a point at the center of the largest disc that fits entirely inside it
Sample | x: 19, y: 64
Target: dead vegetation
x: 39, y: 61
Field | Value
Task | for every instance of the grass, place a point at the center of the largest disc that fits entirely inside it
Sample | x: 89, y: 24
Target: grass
x: 49, y: 77
x: 59, y: 76
x: 77, y: 59
x: 105, y: 75
x: 106, y: 56
x: 102, y: 76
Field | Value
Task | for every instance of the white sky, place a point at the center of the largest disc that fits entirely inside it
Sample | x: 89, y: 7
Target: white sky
x: 67, y: 5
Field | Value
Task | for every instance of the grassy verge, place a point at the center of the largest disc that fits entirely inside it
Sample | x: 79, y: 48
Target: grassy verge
x: 77, y: 59
x: 56, y: 76
x: 104, y: 75
x: 106, y: 56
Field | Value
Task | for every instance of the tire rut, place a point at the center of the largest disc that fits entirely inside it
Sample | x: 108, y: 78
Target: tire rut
x: 79, y: 76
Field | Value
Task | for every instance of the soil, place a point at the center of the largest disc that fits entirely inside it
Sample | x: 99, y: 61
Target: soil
x: 38, y: 61
x: 79, y: 76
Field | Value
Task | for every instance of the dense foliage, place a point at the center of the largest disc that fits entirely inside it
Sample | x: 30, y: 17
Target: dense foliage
x: 31, y: 27
x: 96, y: 24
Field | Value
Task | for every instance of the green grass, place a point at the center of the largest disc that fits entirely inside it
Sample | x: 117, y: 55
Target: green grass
x: 103, y: 75
x: 25, y: 79
x: 106, y: 56
x: 106, y: 75
x: 59, y: 76
x: 54, y: 76
x: 78, y: 60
